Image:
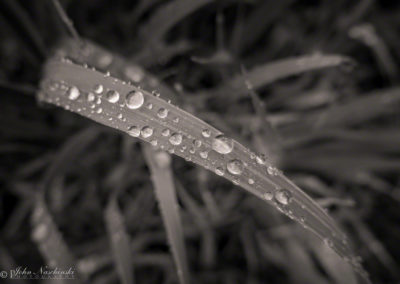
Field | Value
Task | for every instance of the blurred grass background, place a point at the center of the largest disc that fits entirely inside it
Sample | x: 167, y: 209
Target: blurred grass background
x: 338, y: 132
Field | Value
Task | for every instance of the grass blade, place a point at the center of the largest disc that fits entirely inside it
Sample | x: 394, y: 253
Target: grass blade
x: 125, y: 107
x: 120, y: 241
x: 162, y: 177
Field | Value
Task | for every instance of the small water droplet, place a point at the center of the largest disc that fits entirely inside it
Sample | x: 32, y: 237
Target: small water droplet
x: 165, y: 132
x: 149, y: 106
x: 222, y: 144
x: 91, y: 97
x: 175, y: 139
x: 206, y: 133
x: 98, y: 101
x: 192, y: 150
x: 134, y: 99
x: 98, y: 89
x: 204, y: 154
x: 120, y: 116
x: 146, y: 131
x: 162, y: 113
x: 251, y: 181
x: 154, y: 143
x: 220, y: 171
x: 271, y: 170
x: 99, y: 110
x: 268, y: 195
x: 176, y: 119
x: 235, y: 167
x: 261, y: 159
x: 112, y: 96
x: 283, y: 196
x: 197, y: 143
x: 73, y: 93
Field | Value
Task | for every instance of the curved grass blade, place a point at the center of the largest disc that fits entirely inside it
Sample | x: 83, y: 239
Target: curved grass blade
x: 120, y: 241
x: 263, y: 75
x: 162, y: 177
x: 167, y: 16
x: 122, y: 106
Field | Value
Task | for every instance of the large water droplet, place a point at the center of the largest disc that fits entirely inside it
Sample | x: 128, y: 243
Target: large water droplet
x: 175, y: 139
x: 283, y: 196
x: 134, y: 99
x: 235, y: 167
x: 146, y: 131
x: 112, y: 96
x: 162, y: 113
x: 73, y: 93
x: 222, y: 144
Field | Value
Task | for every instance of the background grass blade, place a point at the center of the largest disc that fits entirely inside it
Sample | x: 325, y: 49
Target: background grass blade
x: 163, y: 182
x: 69, y: 85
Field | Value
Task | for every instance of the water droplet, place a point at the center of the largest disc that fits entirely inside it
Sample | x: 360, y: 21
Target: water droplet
x: 222, y: 144
x: 261, y: 159
x: 154, y: 143
x: 73, y: 93
x: 162, y: 113
x: 112, y: 96
x: 120, y: 116
x: 98, y: 89
x: 272, y: 171
x: 204, y: 154
x: 251, y: 181
x: 328, y: 242
x: 283, y: 196
x: 99, y: 110
x: 192, y: 150
x: 220, y: 171
x: 165, y: 132
x: 197, y: 143
x: 134, y: 99
x: 268, y: 195
x: 176, y: 119
x: 98, y: 101
x: 162, y: 159
x: 206, y: 133
x: 149, y: 105
x: 235, y: 167
x: 91, y: 97
x: 146, y: 131
x: 175, y: 139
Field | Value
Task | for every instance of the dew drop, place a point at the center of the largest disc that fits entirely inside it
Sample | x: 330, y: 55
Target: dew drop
x: 154, y: 143
x: 283, y: 196
x: 268, y: 195
x: 120, y: 116
x: 250, y: 181
x: 90, y: 97
x: 165, y: 132
x: 98, y: 88
x: 134, y: 99
x: 261, y: 159
x: 146, y: 131
x: 162, y: 113
x: 197, y: 143
x: 99, y: 110
x: 112, y: 96
x: 222, y: 144
x: 204, y: 154
x: 192, y: 150
x: 176, y: 119
x: 206, y: 133
x: 271, y: 170
x: 73, y: 93
x: 149, y: 106
x: 235, y: 167
x: 175, y: 139
x: 220, y: 171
